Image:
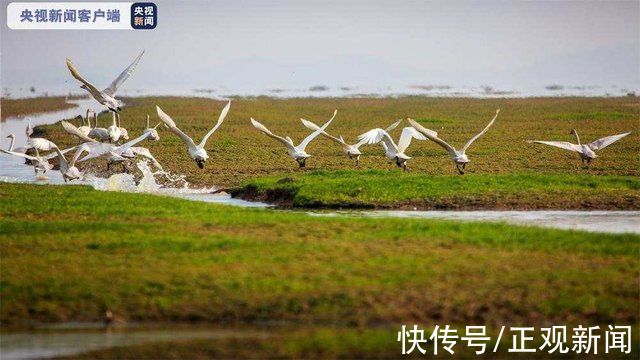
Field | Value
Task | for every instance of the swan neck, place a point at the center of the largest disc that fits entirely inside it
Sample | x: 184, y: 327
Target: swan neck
x: 575, y: 133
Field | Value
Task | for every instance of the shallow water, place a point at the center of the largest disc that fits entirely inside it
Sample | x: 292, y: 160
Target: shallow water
x: 85, y: 337
x: 592, y: 221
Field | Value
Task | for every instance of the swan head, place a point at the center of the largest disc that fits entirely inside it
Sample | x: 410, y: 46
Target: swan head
x: 11, y: 136
x: 200, y: 156
x: 301, y: 158
x: 401, y: 159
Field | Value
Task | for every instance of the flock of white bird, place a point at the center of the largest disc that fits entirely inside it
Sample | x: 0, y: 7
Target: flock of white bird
x: 105, y: 143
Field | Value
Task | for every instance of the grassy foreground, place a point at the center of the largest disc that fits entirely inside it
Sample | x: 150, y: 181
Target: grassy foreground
x: 240, y: 153
x: 18, y: 107
x: 376, y: 188
x: 70, y: 253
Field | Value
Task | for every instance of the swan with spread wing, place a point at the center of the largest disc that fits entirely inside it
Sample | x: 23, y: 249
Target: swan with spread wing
x: 105, y: 97
x: 459, y: 157
x: 393, y: 152
x: 196, y: 151
x: 298, y: 153
x: 352, y: 150
x: 587, y: 151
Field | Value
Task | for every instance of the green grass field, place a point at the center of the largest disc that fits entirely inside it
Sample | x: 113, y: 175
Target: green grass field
x: 376, y: 188
x: 70, y: 253
x: 17, y: 107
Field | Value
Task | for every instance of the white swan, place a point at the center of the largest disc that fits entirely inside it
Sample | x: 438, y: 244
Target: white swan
x: 86, y: 123
x: 105, y: 97
x: 68, y: 169
x: 297, y: 153
x: 98, y: 133
x: 353, y: 151
x: 196, y: 152
x: 21, y: 149
x: 586, y: 151
x: 459, y: 157
x: 393, y: 152
x: 37, y: 144
x: 114, y: 130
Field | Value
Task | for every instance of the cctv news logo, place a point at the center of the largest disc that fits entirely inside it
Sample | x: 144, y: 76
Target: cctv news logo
x: 82, y: 15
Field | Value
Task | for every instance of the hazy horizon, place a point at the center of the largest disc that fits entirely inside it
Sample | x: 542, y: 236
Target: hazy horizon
x: 259, y: 47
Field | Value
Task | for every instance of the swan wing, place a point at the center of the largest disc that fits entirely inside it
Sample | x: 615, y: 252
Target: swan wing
x: 54, y: 154
x: 486, y: 128
x: 606, y: 141
x: 311, y: 126
x: 374, y: 136
x: 64, y: 165
x: 87, y: 85
x: 113, y: 87
x: 223, y: 115
x: 407, y: 134
x: 313, y: 135
x: 393, y: 126
x: 71, y: 129
x: 166, y: 119
x: 94, y: 150
x: 22, y: 155
x: 124, y: 147
x: 79, y: 150
x: 287, y: 142
x: 559, y: 144
x: 433, y: 136
x: 40, y: 144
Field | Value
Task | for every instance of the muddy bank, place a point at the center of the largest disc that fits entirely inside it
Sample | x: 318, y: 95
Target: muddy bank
x: 287, y: 199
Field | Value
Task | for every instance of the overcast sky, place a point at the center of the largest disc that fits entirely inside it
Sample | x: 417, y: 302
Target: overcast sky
x: 287, y: 44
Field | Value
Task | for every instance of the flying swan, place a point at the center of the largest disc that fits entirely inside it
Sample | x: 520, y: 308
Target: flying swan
x: 393, y: 152
x: 297, y: 153
x: 459, y: 157
x: 353, y: 151
x: 586, y: 151
x: 106, y: 97
x: 196, y: 152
